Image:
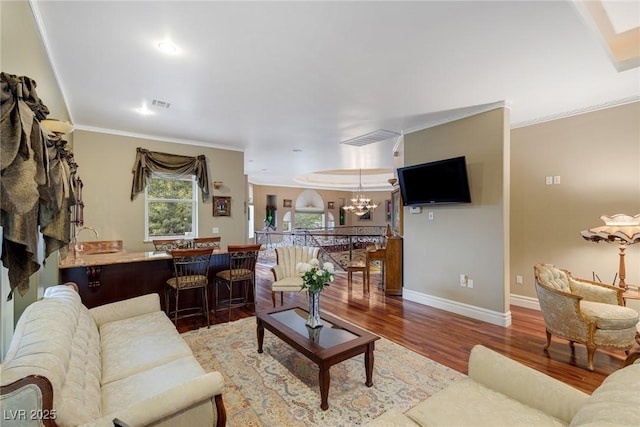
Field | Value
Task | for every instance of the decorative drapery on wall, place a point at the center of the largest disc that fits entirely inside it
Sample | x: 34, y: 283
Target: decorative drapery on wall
x: 36, y: 188
x: 165, y: 165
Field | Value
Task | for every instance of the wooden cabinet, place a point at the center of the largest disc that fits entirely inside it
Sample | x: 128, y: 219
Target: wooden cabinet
x: 393, y: 266
x: 391, y: 258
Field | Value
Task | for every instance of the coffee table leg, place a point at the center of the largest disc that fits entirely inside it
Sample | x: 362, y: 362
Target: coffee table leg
x: 325, y: 380
x: 260, y: 332
x: 368, y: 365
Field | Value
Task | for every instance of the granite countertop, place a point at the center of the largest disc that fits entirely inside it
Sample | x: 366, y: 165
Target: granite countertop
x: 86, y: 260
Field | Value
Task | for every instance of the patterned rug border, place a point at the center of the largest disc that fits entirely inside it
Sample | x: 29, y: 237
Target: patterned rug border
x: 280, y: 386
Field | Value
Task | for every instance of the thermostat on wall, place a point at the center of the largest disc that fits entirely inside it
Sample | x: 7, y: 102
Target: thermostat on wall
x: 415, y: 209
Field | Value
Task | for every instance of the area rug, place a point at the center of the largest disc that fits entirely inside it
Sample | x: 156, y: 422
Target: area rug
x: 280, y: 386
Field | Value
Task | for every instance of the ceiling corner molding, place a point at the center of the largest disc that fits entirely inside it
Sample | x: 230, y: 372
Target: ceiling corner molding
x: 457, y: 114
x: 157, y: 138
x: 577, y: 111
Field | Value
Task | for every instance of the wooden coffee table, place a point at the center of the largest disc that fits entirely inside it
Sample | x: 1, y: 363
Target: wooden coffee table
x: 335, y: 342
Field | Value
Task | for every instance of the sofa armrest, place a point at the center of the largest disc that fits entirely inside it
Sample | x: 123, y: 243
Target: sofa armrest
x: 125, y: 309
x: 28, y: 399
x: 524, y: 384
x: 162, y: 406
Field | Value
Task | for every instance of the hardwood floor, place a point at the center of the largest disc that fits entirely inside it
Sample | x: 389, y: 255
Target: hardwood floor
x: 439, y: 335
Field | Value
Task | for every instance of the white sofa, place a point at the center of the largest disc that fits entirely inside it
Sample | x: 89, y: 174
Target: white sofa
x: 502, y: 392
x: 70, y: 366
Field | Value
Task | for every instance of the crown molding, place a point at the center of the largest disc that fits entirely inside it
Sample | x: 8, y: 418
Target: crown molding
x: 577, y: 111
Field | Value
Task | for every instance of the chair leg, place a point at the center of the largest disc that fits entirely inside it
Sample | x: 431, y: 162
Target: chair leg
x: 230, y: 299
x: 273, y: 297
x: 215, y: 303
x: 281, y: 298
x: 206, y: 305
x: 175, y: 314
x: 166, y: 301
x: 548, y: 341
x: 591, y: 349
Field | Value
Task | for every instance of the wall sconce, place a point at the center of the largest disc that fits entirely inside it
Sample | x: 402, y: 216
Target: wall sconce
x: 57, y: 127
x: 217, y: 184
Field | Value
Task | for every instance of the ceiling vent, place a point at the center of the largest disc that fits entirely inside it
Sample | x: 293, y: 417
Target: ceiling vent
x: 160, y: 104
x: 371, y: 137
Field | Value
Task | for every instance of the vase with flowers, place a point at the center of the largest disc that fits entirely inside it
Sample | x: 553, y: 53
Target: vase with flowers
x: 314, y: 279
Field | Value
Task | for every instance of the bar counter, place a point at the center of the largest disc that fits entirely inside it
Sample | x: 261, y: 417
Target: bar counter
x: 109, y: 277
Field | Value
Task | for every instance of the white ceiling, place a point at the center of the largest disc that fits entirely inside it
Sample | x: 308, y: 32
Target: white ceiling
x: 285, y: 82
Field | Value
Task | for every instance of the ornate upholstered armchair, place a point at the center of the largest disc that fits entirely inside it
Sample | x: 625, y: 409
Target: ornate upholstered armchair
x: 583, y: 311
x: 285, y: 272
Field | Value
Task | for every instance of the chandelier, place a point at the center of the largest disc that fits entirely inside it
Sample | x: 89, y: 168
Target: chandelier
x: 360, y: 204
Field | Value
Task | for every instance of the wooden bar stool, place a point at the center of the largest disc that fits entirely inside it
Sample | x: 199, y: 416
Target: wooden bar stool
x: 354, y: 267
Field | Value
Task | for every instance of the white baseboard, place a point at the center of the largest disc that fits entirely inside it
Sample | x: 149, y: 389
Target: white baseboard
x: 479, y: 313
x: 526, y: 302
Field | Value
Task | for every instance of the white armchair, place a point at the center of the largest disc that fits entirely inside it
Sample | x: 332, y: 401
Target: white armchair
x: 285, y: 272
x: 583, y: 311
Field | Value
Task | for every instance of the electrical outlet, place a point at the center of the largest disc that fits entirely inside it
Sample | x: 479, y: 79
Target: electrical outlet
x: 548, y: 180
x: 215, y: 230
x: 518, y: 280
x: 556, y: 179
x: 470, y: 283
x: 430, y: 216
x: 463, y: 280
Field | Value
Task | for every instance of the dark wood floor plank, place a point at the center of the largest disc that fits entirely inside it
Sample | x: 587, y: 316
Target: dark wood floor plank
x: 444, y: 337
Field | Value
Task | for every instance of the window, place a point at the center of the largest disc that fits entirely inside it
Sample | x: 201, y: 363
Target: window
x: 309, y: 220
x: 171, y: 208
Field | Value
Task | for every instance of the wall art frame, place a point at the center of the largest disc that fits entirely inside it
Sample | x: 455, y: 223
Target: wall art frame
x: 221, y: 206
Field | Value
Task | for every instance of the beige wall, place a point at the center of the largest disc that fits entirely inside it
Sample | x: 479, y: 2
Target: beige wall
x: 23, y: 54
x: 597, y: 156
x: 467, y: 238
x: 105, y: 163
x: 260, y: 193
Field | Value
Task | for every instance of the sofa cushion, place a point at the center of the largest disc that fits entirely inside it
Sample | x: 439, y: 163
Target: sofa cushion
x: 615, y: 403
x: 480, y: 406
x: 139, y: 343
x: 146, y: 384
x: 609, y: 316
x: 288, y: 284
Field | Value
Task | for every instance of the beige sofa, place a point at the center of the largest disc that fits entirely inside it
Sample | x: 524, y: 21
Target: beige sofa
x: 502, y: 392
x: 69, y: 366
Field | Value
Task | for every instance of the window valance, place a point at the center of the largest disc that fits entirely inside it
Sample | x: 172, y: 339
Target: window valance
x: 149, y: 163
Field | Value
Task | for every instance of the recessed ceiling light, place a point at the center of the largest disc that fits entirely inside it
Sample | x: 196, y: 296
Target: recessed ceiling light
x: 297, y: 150
x: 144, y: 110
x: 167, y: 47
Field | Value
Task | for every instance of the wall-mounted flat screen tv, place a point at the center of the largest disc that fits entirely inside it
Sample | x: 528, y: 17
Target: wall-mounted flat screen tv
x: 440, y: 182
